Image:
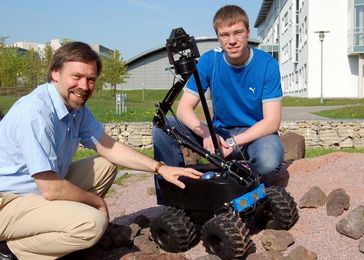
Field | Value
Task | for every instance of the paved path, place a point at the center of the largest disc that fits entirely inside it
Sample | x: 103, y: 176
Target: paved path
x: 304, y: 113
x: 299, y: 113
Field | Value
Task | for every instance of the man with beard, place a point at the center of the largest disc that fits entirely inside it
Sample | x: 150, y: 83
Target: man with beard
x: 49, y: 205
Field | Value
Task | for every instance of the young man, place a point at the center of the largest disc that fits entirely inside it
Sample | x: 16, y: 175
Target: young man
x: 50, y: 207
x: 246, y: 100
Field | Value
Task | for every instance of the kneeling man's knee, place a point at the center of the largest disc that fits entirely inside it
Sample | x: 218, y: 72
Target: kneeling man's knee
x: 91, y: 229
x: 268, y: 164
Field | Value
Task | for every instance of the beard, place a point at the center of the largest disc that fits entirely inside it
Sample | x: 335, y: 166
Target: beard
x: 80, y: 99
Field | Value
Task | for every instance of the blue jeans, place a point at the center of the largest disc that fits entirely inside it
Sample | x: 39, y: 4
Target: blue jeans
x: 264, y: 155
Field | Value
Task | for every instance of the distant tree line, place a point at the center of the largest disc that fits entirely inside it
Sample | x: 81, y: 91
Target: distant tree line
x: 28, y: 69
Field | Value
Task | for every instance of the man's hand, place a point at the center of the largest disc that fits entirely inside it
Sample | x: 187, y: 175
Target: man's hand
x: 207, y: 139
x: 103, y: 208
x: 53, y: 188
x: 225, y: 148
x: 171, y: 174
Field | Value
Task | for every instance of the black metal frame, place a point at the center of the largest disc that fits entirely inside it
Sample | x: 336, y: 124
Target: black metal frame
x: 182, y: 45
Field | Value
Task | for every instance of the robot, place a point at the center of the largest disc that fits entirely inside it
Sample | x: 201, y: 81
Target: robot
x: 218, y: 207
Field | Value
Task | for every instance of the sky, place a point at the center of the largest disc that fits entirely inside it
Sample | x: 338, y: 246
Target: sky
x: 130, y: 26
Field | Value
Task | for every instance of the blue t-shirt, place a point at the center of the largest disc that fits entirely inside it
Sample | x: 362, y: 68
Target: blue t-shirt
x: 39, y: 134
x: 238, y: 92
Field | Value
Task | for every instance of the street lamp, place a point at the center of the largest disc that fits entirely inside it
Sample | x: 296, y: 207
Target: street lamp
x: 322, y: 37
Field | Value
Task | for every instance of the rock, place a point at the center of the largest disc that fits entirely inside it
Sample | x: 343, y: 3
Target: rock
x: 301, y: 253
x: 151, y: 191
x: 118, y: 252
x: 313, y: 198
x: 142, y: 221
x: 145, y: 256
x: 94, y: 252
x: 353, y: 225
x: 190, y: 157
x: 276, y: 240
x: 361, y: 246
x: 268, y: 255
x: 146, y: 231
x: 121, y: 235
x: 135, y: 231
x: 336, y: 202
x: 106, y: 242
x: 118, y: 235
x: 144, y: 244
x: 208, y: 257
x: 294, y: 146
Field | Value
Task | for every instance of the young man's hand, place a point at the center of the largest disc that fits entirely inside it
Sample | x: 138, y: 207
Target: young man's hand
x: 225, y: 148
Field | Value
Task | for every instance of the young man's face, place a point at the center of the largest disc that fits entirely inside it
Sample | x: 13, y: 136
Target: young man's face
x: 234, y: 41
x: 75, y: 82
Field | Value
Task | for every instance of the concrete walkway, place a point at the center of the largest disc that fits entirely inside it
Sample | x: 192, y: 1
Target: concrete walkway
x: 304, y: 113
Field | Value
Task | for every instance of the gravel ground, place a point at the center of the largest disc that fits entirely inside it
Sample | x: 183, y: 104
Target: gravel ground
x: 314, y: 230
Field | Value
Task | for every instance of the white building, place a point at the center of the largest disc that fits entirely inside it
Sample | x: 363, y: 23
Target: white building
x: 55, y: 44
x: 148, y: 69
x: 289, y: 30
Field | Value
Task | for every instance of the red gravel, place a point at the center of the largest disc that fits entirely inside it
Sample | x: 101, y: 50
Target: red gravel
x: 314, y: 230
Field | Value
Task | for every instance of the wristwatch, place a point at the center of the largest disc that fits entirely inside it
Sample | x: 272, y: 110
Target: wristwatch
x: 231, y: 142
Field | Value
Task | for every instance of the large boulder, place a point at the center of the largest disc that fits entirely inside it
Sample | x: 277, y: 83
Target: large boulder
x: 294, y: 146
x: 313, y: 198
x: 353, y: 225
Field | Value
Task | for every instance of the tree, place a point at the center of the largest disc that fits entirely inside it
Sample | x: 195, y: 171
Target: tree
x: 46, y: 54
x: 11, y: 66
x: 114, y: 70
x: 32, y: 65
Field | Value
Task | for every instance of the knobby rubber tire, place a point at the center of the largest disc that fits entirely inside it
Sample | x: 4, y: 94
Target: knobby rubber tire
x: 281, y: 211
x: 173, y: 231
x: 227, y: 236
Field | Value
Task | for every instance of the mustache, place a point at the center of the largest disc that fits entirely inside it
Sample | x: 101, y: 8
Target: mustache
x: 80, y: 92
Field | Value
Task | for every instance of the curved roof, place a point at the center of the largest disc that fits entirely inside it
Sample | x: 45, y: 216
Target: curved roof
x: 163, y: 47
x: 263, y: 12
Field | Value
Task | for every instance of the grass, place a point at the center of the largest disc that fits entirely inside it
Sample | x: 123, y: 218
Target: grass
x: 6, y: 102
x: 121, y: 180
x: 352, y: 112
x: 315, y: 152
x: 309, y: 102
x: 309, y: 153
x: 141, y: 106
x: 83, y: 153
x: 354, y: 107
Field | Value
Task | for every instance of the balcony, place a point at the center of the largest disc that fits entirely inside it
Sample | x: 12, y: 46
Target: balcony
x: 272, y: 49
x: 356, y: 27
x: 356, y: 41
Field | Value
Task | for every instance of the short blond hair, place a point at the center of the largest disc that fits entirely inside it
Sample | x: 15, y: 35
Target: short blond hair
x: 229, y: 15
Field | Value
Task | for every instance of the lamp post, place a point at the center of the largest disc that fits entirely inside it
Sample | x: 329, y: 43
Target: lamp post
x: 322, y: 37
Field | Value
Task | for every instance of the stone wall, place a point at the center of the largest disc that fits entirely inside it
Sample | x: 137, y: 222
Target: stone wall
x: 316, y: 133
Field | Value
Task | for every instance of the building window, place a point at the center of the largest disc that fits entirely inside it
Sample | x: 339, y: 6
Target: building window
x: 285, y: 21
x: 359, y: 25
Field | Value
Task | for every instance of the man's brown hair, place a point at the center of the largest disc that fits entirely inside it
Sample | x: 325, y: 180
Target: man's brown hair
x: 73, y: 51
x: 229, y: 15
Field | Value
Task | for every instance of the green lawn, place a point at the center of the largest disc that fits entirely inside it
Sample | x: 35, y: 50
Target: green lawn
x: 6, y: 102
x: 356, y: 111
x: 352, y: 112
x: 310, y: 153
x: 310, y: 102
x: 141, y: 106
